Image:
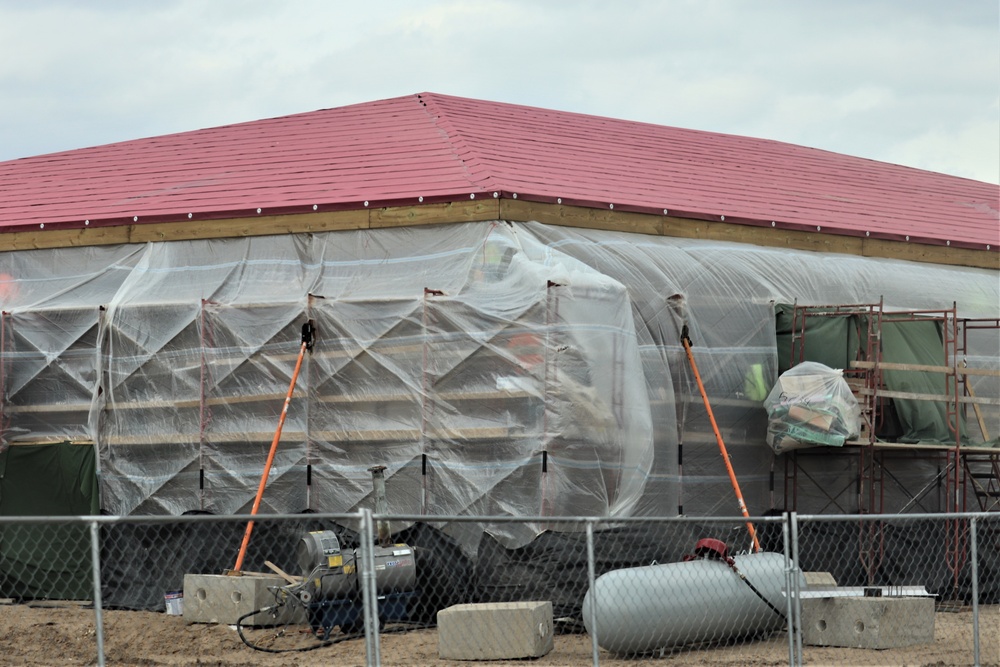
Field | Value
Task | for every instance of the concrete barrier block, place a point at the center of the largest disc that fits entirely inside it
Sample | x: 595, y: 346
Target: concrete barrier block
x: 495, y: 631
x: 220, y: 598
x: 867, y: 622
x: 819, y: 580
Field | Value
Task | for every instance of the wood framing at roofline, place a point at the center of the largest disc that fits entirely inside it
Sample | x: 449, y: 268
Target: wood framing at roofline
x: 666, y: 225
x: 498, y: 209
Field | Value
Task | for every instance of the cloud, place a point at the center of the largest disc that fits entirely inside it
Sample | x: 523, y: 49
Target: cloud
x: 915, y: 82
x: 958, y: 151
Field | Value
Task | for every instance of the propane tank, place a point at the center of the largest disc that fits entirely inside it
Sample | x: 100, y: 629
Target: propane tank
x: 332, y: 573
x: 708, y: 597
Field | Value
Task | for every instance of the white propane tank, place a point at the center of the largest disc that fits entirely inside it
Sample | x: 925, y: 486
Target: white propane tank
x: 643, y: 609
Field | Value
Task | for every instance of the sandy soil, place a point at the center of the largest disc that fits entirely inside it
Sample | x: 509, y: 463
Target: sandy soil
x: 64, y: 634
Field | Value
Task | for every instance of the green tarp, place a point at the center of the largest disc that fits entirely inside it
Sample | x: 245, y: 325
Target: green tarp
x: 831, y: 341
x: 910, y: 342
x: 47, y: 560
x: 834, y: 341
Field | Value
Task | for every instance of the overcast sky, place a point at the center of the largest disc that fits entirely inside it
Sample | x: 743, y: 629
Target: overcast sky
x: 913, y: 82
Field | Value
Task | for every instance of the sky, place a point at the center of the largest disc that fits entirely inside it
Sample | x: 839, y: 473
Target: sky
x: 911, y: 82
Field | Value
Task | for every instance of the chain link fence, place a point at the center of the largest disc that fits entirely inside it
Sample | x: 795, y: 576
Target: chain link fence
x: 370, y: 589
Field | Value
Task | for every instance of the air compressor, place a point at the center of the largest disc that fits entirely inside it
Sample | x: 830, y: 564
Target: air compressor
x: 331, y: 583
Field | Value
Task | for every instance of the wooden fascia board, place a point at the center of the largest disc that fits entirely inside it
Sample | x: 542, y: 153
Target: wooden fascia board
x: 479, y: 210
x: 186, y: 231
x: 329, y: 221
x: 932, y: 254
x: 326, y: 221
x: 498, y: 209
x: 663, y: 225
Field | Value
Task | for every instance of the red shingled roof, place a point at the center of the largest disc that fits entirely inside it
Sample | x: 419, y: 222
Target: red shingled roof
x: 429, y: 147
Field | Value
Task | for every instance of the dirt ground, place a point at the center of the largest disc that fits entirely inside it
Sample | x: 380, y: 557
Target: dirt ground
x: 64, y: 634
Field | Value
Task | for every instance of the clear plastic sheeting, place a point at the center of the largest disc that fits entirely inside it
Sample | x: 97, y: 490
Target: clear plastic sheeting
x: 811, y: 405
x: 494, y: 368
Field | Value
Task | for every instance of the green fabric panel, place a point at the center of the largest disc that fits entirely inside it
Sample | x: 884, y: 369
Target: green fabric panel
x: 835, y: 341
x: 47, y: 561
x: 912, y: 342
x: 829, y: 340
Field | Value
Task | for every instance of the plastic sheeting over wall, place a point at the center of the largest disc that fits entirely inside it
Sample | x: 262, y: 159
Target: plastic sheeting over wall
x: 494, y: 368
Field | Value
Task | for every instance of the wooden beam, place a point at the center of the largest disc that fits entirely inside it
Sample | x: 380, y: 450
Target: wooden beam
x: 762, y: 236
x: 519, y: 210
x: 327, y: 221
x: 35, y: 442
x: 925, y: 368
x: 64, y: 238
x: 478, y: 210
x: 932, y: 254
x: 940, y: 398
x: 926, y: 446
x: 489, y: 208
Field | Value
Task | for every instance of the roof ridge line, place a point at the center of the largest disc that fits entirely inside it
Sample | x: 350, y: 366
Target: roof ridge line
x: 456, y: 139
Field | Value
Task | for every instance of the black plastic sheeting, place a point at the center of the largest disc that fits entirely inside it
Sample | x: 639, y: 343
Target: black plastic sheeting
x: 140, y: 562
x: 143, y: 561
x: 554, y: 566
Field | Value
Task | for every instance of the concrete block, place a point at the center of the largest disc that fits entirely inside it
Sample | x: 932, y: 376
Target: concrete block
x: 868, y: 622
x: 495, y: 631
x: 220, y: 598
x: 819, y: 580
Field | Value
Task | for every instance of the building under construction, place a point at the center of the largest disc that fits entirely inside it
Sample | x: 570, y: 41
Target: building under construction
x: 497, y: 294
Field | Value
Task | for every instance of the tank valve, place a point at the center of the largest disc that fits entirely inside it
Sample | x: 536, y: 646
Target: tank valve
x: 710, y: 549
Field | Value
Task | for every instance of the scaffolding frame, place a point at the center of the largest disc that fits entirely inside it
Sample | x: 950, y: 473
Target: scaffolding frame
x: 962, y: 468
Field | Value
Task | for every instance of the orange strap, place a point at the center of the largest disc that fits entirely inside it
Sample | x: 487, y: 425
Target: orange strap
x: 718, y: 437
x: 270, y: 458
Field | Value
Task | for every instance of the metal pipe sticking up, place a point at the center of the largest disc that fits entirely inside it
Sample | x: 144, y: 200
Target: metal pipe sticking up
x: 381, y: 505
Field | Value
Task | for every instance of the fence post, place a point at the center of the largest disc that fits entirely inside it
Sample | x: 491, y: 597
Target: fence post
x: 796, y: 585
x: 591, y: 578
x: 95, y: 557
x: 789, y: 585
x: 974, y: 549
x: 373, y: 656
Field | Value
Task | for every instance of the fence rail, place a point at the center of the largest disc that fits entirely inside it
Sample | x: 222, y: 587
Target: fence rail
x: 371, y: 589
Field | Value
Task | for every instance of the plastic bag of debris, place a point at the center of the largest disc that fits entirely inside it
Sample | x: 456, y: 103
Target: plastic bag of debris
x: 811, y: 406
